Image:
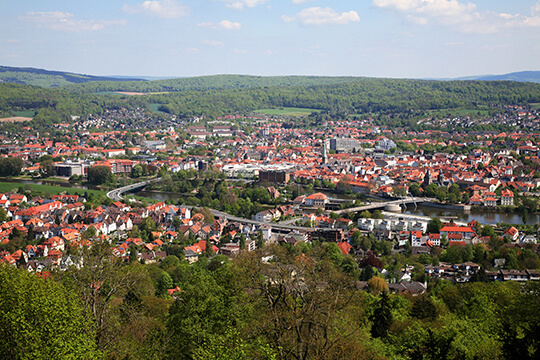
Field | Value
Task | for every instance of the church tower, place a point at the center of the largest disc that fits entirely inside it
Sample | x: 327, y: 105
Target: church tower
x: 440, y: 178
x: 427, y: 180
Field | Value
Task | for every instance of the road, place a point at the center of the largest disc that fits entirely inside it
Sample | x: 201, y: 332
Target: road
x: 116, y: 194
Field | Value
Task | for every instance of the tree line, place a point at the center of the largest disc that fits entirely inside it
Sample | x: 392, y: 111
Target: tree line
x: 288, y: 302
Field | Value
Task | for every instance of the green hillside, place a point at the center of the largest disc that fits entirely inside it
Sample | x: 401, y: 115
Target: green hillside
x: 220, y: 95
x: 213, y: 82
x: 46, y: 78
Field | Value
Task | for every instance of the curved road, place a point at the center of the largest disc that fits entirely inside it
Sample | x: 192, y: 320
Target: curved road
x: 116, y: 195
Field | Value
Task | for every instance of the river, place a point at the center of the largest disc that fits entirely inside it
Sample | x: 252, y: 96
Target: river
x: 490, y: 218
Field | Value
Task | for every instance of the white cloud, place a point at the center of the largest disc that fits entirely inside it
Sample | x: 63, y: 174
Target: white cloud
x: 213, y: 42
x: 322, y: 16
x: 447, y: 11
x: 166, y: 9
x: 535, y: 10
x: 224, y: 24
x: 301, y: 1
x: 460, y: 14
x: 61, y: 21
x: 240, y: 4
x: 229, y: 25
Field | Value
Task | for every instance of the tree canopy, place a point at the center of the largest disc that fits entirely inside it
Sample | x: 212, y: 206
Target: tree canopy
x: 40, y: 319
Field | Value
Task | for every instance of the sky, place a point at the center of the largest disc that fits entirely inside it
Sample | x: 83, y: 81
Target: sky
x: 177, y: 38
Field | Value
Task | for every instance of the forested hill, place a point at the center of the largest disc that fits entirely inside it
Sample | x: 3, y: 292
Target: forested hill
x: 525, y: 76
x: 46, y: 78
x: 357, y: 96
x: 364, y: 96
x: 213, y: 82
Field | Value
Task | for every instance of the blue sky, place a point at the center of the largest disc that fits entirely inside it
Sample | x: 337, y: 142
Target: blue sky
x: 381, y: 38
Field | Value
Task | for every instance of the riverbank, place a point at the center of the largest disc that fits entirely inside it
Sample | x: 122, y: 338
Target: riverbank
x: 411, y: 217
x: 447, y: 206
x: 51, y: 189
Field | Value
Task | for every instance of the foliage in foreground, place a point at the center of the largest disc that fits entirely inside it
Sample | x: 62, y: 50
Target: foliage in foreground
x: 276, y: 303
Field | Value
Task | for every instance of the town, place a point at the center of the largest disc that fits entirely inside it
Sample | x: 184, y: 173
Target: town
x: 173, y: 229
x: 358, y: 162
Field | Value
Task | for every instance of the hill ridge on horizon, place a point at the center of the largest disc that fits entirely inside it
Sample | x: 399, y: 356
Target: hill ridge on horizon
x: 53, y: 78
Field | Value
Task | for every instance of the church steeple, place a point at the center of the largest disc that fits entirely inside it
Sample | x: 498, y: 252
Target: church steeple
x: 427, y: 179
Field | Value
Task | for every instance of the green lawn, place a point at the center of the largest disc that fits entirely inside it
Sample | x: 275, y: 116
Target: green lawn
x: 288, y: 111
x: 42, y: 189
x: 535, y: 105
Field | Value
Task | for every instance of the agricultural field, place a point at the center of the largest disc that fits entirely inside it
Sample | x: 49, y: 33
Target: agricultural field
x: 19, y: 116
x: 15, y: 119
x: 287, y: 111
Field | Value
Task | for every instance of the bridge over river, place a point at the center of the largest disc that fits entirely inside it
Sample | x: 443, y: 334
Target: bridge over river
x: 116, y: 195
x: 388, y: 205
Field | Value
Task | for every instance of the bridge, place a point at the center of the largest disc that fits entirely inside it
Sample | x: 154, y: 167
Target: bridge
x: 274, y: 226
x: 116, y: 194
x: 389, y: 205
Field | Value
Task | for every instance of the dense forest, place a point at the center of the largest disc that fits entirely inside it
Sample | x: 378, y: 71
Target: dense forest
x: 219, y: 95
x: 213, y: 82
x: 303, y: 302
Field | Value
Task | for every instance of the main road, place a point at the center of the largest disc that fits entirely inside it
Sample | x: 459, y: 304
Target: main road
x: 116, y: 194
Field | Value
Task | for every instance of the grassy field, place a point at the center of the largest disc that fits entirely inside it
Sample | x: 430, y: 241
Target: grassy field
x: 155, y: 107
x: 42, y: 189
x: 287, y: 111
x: 26, y: 113
x: 535, y: 105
